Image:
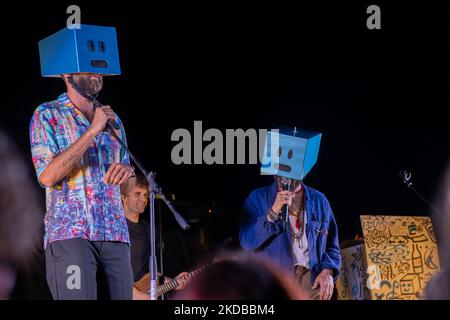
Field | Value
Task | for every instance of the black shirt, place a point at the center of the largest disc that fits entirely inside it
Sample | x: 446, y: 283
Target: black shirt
x: 139, y: 247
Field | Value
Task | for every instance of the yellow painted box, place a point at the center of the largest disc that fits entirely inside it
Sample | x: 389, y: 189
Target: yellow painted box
x: 399, y: 256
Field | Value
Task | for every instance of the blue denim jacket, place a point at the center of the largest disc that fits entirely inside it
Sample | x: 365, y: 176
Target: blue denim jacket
x: 272, y: 240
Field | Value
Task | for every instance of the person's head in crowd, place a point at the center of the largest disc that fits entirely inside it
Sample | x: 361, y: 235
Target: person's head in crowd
x: 20, y: 215
x: 439, y: 286
x: 240, y: 276
x: 134, y: 195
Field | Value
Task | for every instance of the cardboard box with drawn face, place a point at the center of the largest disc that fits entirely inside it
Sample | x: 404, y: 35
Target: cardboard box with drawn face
x: 90, y: 49
x: 290, y: 156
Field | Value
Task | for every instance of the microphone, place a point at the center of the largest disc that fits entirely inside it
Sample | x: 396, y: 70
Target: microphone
x: 407, y: 180
x: 110, y: 125
x: 285, y: 186
x: 406, y: 177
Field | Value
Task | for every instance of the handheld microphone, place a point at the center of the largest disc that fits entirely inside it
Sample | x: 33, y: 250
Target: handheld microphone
x: 111, y: 125
x: 285, y: 186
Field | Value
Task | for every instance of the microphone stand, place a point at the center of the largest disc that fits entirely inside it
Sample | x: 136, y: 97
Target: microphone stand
x: 153, y: 190
x: 407, y: 180
x: 161, y: 243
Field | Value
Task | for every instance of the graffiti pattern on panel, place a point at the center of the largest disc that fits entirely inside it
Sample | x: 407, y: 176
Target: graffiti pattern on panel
x: 404, y: 251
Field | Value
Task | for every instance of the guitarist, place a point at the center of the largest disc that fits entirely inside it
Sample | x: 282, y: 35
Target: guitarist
x: 134, y: 199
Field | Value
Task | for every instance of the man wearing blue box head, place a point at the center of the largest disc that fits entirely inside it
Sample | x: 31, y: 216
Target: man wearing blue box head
x: 289, y: 222
x: 81, y: 166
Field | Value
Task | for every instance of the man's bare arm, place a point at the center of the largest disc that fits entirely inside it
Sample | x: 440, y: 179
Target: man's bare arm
x: 63, y: 163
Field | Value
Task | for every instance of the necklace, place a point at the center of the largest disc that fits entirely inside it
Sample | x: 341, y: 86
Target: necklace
x: 299, y: 213
x: 298, y: 234
x: 297, y: 237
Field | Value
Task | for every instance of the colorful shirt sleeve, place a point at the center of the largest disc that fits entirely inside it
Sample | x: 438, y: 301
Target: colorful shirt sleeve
x: 43, y: 143
x: 124, y: 156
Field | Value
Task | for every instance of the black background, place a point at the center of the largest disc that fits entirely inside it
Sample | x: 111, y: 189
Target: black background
x: 380, y: 97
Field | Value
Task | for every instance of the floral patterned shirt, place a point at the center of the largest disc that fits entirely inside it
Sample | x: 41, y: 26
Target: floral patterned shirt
x: 81, y: 205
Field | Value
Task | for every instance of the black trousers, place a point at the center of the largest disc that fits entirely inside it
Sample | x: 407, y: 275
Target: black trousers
x: 72, y: 265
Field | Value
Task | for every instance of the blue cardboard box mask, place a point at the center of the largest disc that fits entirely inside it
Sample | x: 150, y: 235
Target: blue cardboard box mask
x: 290, y: 156
x: 90, y: 49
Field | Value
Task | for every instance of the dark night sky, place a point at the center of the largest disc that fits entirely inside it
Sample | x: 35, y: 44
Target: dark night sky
x: 380, y: 98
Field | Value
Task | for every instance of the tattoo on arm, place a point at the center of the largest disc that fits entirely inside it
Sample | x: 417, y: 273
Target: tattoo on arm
x: 70, y: 161
x: 61, y: 166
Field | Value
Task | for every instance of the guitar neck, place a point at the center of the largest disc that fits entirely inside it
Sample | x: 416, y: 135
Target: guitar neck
x: 172, y: 285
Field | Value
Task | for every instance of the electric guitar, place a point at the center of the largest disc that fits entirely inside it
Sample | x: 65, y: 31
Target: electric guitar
x: 144, y: 283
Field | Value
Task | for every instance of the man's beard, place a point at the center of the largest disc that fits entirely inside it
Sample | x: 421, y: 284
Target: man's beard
x: 293, y: 183
x: 89, y: 85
